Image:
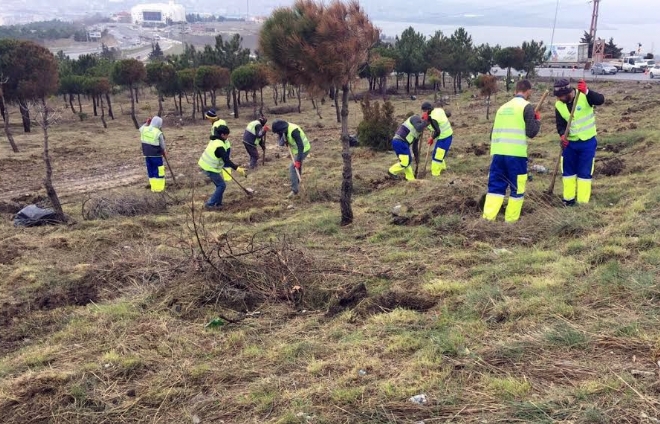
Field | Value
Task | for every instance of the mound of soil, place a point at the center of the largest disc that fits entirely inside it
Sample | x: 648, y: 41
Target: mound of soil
x: 348, y: 300
x: 478, y: 149
x: 611, y: 167
x: 615, y: 148
x: 390, y: 300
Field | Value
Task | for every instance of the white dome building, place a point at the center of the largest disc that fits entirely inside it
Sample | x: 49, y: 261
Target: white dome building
x: 158, y: 13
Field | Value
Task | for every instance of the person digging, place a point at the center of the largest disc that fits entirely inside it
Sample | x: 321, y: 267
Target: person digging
x: 214, y: 162
x: 406, y: 135
x: 294, y: 137
x: 441, y: 137
x: 253, y: 137
x: 153, y: 150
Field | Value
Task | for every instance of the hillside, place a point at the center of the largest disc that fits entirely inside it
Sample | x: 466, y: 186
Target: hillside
x: 554, y: 319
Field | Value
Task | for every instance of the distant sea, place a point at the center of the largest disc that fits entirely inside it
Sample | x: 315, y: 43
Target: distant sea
x: 626, y: 36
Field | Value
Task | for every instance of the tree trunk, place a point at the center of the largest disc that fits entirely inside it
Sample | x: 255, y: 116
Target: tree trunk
x: 238, y: 97
x: 94, y: 105
x: 254, y: 103
x: 299, y: 100
x: 25, y: 115
x: 107, y: 98
x: 135, y: 122
x: 176, y: 105
x: 508, y: 78
x: 194, y: 102
x: 336, y: 98
x: 408, y: 85
x: 454, y: 82
x: 347, y: 172
x: 488, y: 108
x: 443, y: 80
x: 424, y: 81
x: 160, y: 105
x: 5, y: 117
x: 48, y: 181
x: 180, y: 106
x: 233, y: 94
x: 416, y: 82
x: 204, y: 97
x: 229, y: 98
x: 397, y: 81
x: 187, y: 98
x: 137, y: 100
x: 261, y: 107
x: 105, y: 124
x: 2, y: 108
x: 73, y: 110
x: 246, y: 96
x: 276, y: 94
x: 79, y: 104
x: 284, y: 93
x: 213, y: 98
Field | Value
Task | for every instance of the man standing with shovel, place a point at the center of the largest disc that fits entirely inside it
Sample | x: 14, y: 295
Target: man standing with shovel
x: 579, y: 141
x: 515, y: 121
x: 213, y: 162
x: 293, y: 136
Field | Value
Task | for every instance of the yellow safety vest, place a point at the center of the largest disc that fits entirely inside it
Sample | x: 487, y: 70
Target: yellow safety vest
x: 292, y: 142
x: 508, y: 136
x: 217, y: 124
x: 208, y: 161
x: 151, y: 136
x: 583, y: 126
x: 252, y: 129
x: 443, y: 122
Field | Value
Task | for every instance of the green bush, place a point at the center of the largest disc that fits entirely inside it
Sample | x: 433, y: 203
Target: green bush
x: 378, y: 125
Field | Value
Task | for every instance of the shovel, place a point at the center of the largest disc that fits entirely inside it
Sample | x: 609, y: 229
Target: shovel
x: 167, y: 162
x: 568, y: 128
x: 293, y: 161
x: 247, y: 191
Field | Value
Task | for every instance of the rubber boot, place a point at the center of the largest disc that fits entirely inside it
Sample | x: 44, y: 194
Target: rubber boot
x: 570, y: 188
x: 583, y: 190
x: 492, y: 206
x: 513, y: 209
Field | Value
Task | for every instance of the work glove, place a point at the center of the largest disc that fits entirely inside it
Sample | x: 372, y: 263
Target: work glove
x: 297, y: 165
x: 564, y: 142
x: 241, y: 171
x: 425, y: 116
x: 164, y: 154
x: 430, y: 142
x: 582, y: 87
x: 266, y: 128
x: 148, y: 121
x: 537, y: 115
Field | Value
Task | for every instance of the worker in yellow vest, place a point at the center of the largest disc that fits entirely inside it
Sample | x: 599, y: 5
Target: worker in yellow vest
x: 214, y: 162
x: 216, y: 123
x: 579, y: 145
x: 407, y: 136
x: 153, y: 150
x: 441, y: 136
x: 295, y: 139
x: 254, y: 136
x: 515, y: 121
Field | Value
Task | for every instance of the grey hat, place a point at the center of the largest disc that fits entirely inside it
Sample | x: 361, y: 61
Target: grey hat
x: 562, y: 87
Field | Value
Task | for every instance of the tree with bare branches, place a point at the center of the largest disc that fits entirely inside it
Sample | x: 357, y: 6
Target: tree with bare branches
x: 322, y: 46
x: 129, y: 72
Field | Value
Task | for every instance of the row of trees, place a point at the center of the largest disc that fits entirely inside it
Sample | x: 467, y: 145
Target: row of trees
x: 47, y: 30
x: 413, y: 55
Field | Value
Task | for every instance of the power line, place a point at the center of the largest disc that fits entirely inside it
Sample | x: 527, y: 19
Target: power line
x: 554, y: 25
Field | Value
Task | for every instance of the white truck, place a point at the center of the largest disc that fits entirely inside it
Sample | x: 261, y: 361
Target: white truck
x: 567, y: 55
x: 632, y: 64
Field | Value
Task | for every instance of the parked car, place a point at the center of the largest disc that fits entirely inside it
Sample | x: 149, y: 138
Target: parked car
x: 654, y: 72
x: 603, y: 69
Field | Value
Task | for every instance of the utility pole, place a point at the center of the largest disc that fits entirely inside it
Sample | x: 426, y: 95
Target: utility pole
x: 598, y: 50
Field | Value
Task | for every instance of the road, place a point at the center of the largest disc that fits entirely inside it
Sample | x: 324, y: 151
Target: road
x: 579, y: 73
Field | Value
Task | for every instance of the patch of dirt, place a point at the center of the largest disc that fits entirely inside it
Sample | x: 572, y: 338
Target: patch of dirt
x: 9, y: 253
x: 347, y: 300
x: 537, y: 155
x: 390, y: 300
x: 642, y: 107
x: 20, y: 320
x: 614, y: 148
x: 478, y: 149
x: 611, y: 167
x: 7, y: 206
x: 385, y: 182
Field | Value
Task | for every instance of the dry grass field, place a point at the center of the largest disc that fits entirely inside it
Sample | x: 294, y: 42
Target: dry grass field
x: 553, y: 319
